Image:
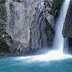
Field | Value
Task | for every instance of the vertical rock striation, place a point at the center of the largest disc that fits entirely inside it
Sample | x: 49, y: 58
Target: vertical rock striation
x: 29, y: 24
x: 67, y: 30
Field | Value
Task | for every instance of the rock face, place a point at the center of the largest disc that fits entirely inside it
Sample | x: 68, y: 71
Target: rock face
x: 3, y: 45
x: 29, y: 24
x: 26, y: 24
x: 67, y: 31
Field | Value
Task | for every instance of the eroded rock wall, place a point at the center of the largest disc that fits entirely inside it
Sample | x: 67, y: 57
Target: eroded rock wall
x: 29, y: 24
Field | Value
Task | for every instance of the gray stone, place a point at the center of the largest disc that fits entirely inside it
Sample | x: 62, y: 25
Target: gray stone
x: 67, y: 31
x: 25, y: 24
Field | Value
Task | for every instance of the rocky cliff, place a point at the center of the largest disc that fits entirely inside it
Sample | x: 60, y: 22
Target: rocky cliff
x: 29, y: 24
x: 3, y: 46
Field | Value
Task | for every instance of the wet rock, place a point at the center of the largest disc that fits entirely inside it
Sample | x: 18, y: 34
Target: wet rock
x: 67, y: 31
x: 29, y: 24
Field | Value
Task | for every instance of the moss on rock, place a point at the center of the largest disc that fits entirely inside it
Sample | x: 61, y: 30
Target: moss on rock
x: 3, y: 46
x: 49, y: 32
x: 17, y: 0
x: 55, y: 5
x: 2, y: 1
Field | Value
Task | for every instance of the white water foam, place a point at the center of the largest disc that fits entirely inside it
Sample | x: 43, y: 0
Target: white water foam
x: 50, y: 56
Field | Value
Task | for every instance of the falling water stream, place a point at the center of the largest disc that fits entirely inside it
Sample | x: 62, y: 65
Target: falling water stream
x: 59, y: 40
x: 57, y: 53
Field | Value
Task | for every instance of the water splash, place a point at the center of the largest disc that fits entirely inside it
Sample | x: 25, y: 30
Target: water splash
x: 50, y: 56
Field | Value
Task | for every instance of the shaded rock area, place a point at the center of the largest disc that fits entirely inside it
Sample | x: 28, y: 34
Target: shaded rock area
x: 29, y: 24
x: 2, y: 1
x: 70, y: 45
x: 67, y: 31
x: 3, y: 45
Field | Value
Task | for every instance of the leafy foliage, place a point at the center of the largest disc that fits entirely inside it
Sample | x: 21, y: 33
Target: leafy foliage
x: 55, y: 5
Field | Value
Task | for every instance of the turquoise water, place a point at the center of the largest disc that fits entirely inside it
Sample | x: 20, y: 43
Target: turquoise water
x: 13, y: 65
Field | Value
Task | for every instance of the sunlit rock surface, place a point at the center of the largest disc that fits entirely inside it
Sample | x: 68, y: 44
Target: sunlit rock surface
x: 26, y: 24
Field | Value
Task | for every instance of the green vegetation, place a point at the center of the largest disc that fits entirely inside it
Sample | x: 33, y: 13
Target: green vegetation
x: 3, y: 46
x: 49, y: 33
x: 2, y: 1
x: 17, y: 0
x: 48, y: 27
x: 55, y: 5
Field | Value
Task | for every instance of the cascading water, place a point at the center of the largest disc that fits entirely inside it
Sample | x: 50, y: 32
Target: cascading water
x: 59, y: 40
x: 56, y: 54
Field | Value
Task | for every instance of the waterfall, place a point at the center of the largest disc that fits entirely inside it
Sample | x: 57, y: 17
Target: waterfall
x: 56, y: 54
x: 59, y: 40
